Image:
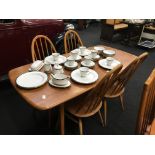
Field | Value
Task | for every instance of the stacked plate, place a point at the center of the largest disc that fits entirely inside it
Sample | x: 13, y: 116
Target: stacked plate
x: 108, y: 53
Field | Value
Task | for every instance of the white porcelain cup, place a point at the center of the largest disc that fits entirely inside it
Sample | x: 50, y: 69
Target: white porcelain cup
x: 82, y: 49
x: 71, y: 61
x: 87, y: 60
x: 75, y: 53
x: 94, y: 53
x: 109, y: 61
x: 47, y: 67
x: 55, y: 56
x: 84, y: 71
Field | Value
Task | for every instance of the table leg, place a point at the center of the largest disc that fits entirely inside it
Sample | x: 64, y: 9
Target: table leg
x: 62, y: 119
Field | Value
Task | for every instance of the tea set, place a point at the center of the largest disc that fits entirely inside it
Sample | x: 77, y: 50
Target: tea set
x: 83, y: 75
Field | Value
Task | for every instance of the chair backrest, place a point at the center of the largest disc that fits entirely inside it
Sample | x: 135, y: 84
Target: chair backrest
x: 126, y: 74
x: 94, y: 97
x: 146, y: 112
x: 41, y: 47
x: 71, y: 41
x: 142, y: 57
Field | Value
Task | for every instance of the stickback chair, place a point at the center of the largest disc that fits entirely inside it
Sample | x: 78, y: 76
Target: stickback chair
x: 91, y: 103
x: 146, y: 114
x: 71, y: 41
x: 118, y: 88
x: 41, y: 47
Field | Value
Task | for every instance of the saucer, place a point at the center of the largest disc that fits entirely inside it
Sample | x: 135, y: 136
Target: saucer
x: 103, y: 63
x: 92, y: 64
x: 77, y: 59
x: 85, y: 53
x: 59, y: 86
x: 71, y: 67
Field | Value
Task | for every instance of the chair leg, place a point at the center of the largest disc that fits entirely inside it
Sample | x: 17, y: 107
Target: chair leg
x: 101, y: 118
x: 105, y: 111
x: 80, y: 126
x: 49, y: 118
x: 122, y: 102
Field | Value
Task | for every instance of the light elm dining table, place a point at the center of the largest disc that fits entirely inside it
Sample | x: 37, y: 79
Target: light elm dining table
x: 47, y: 97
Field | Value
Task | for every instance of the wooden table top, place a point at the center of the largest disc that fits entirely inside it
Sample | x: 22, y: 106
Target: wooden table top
x: 47, y: 97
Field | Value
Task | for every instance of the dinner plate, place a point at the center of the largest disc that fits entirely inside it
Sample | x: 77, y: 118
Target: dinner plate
x: 31, y: 80
x: 92, y: 64
x: 61, y: 59
x: 86, y: 52
x: 59, y: 86
x: 103, y: 63
x: 90, y: 78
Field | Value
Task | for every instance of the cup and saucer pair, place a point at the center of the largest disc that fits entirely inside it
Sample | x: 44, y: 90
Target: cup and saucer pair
x: 59, y: 80
x: 94, y: 55
x: 87, y: 62
x: 109, y: 63
x: 75, y: 54
x: 71, y: 64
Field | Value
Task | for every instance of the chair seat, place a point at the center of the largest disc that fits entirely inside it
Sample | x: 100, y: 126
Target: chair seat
x: 120, y: 26
x: 84, y: 111
x: 111, y: 95
x: 150, y: 28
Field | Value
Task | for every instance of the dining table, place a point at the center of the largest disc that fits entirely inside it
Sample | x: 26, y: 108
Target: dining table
x: 48, y: 97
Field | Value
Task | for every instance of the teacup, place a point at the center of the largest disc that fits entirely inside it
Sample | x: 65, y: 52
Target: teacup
x: 94, y: 53
x: 82, y: 49
x: 47, y: 67
x: 70, y: 61
x: 75, y: 53
x: 87, y: 60
x: 55, y: 56
x: 84, y: 71
x: 59, y: 79
x: 109, y: 61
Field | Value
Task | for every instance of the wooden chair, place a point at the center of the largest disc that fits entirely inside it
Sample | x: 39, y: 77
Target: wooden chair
x: 41, y: 47
x: 71, y: 41
x: 89, y: 104
x: 146, y: 114
x: 118, y: 88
